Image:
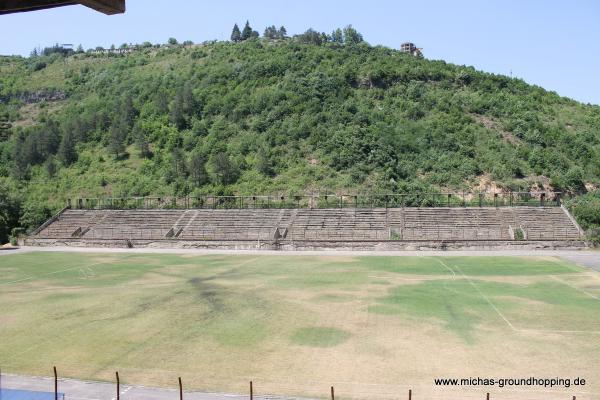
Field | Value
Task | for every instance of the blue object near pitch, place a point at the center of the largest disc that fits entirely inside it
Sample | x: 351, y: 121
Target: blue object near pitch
x: 15, y: 394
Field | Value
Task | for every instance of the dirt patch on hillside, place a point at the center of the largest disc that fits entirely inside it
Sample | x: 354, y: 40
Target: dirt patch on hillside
x: 487, y: 184
x: 496, y: 126
x: 30, y: 112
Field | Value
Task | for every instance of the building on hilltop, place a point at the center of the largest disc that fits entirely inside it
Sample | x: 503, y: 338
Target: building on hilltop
x: 410, y: 48
x: 120, y: 50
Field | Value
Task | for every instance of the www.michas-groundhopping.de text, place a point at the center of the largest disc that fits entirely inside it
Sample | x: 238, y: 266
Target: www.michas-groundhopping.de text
x: 509, y: 382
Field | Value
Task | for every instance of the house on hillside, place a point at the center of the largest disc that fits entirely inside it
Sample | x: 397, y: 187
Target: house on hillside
x: 410, y: 48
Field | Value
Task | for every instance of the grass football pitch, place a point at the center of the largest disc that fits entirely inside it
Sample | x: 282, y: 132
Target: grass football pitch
x: 295, y: 325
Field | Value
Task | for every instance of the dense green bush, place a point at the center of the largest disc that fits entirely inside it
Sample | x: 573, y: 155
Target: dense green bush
x: 586, y: 209
x: 9, y: 213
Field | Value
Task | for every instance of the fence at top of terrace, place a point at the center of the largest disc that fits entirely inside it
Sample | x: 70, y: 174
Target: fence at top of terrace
x: 457, y: 199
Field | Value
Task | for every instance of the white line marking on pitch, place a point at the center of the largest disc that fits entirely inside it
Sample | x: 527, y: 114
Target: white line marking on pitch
x: 482, y: 295
x: 506, y: 319
x: 453, y: 276
x: 556, y: 278
x: 57, y: 272
x: 395, y: 277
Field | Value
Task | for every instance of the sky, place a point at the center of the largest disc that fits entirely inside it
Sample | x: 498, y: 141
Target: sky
x: 551, y: 43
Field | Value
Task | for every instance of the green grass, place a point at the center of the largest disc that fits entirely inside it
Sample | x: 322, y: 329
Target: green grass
x: 320, y: 336
x: 280, y: 317
x: 476, y: 266
x: 455, y: 303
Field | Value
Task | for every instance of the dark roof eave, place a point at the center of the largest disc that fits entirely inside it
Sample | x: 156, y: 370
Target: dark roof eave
x: 108, y: 7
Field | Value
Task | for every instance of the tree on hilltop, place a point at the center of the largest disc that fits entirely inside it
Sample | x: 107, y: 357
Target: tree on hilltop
x: 352, y: 36
x: 248, y: 33
x: 270, y: 32
x: 282, y: 33
x: 337, y: 36
x: 236, y: 35
x: 312, y: 37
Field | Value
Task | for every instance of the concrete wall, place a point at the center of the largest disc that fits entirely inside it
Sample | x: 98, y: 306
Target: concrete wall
x: 314, y: 245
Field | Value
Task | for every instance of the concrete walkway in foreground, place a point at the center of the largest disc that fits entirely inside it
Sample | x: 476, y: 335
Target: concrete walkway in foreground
x: 87, y: 390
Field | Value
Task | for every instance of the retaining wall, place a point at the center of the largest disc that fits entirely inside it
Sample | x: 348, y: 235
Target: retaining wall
x: 366, y: 245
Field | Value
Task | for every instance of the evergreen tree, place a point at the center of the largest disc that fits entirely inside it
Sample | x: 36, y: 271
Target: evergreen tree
x: 311, y: 37
x: 50, y: 138
x: 66, y: 150
x: 263, y: 163
x: 80, y: 49
x: 141, y: 142
x: 20, y: 166
x: 352, y: 36
x: 177, y: 112
x: 9, y: 213
x: 128, y: 112
x: 236, y: 35
x: 5, y: 126
x: 30, y: 150
x: 269, y: 33
x: 273, y: 33
x: 116, y: 140
x: 226, y: 172
x: 187, y: 100
x: 162, y: 105
x: 282, y: 33
x: 337, y: 36
x: 51, y: 167
x: 247, y: 32
x: 178, y: 163
x: 198, y: 169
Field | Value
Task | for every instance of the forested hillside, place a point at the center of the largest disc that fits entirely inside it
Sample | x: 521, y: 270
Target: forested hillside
x: 276, y: 115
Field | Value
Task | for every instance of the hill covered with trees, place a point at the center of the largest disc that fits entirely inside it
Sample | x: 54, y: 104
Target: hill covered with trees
x: 276, y: 114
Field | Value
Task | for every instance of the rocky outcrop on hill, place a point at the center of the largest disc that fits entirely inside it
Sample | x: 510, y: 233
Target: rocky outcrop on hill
x: 47, y: 94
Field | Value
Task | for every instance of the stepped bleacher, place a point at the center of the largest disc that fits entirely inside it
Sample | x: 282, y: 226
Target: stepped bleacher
x: 314, y: 225
x: 452, y: 223
x: 339, y: 224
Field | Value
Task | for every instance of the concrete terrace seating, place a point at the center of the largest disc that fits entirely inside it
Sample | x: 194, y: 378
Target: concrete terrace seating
x: 67, y: 223
x: 451, y: 223
x: 246, y: 224
x: 339, y: 224
x: 348, y: 224
x: 133, y: 224
x: 113, y: 224
x: 546, y: 223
